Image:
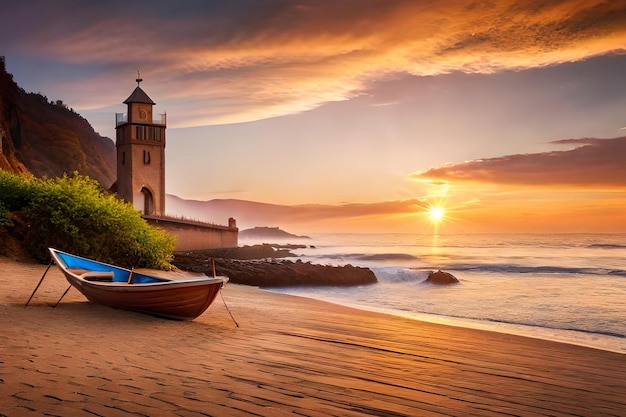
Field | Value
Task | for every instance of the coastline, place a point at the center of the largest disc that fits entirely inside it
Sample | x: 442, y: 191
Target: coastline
x: 572, y: 337
x: 566, y: 287
x: 289, y: 355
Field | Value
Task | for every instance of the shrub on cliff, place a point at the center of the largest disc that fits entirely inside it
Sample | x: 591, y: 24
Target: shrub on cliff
x: 5, y: 216
x: 73, y: 213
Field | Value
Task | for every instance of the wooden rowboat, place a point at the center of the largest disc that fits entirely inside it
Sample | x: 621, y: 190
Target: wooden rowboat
x: 113, y: 286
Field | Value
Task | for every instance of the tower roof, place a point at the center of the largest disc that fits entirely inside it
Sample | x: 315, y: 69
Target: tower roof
x: 139, y: 96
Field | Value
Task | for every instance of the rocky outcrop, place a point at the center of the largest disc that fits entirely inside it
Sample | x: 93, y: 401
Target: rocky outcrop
x: 247, y: 252
x: 441, y: 278
x: 271, y: 271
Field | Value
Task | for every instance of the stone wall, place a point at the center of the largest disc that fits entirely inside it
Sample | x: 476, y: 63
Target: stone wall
x: 197, y: 235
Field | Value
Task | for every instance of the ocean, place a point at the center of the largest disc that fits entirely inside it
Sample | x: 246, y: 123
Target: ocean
x: 564, y: 287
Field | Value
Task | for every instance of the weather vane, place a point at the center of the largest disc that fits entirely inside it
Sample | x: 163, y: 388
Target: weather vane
x: 139, y: 79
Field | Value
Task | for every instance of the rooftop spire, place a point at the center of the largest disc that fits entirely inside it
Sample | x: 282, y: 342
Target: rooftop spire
x: 139, y: 79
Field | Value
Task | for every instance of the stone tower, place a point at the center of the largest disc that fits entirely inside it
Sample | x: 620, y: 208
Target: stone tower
x: 140, y: 142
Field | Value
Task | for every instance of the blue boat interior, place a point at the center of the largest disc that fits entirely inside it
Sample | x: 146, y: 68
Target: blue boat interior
x: 119, y: 274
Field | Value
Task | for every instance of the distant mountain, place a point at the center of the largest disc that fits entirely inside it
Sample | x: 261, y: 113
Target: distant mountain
x: 305, y: 217
x: 47, y: 138
x: 220, y: 210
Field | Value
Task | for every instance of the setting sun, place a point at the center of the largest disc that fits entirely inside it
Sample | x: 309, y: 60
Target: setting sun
x: 436, y: 214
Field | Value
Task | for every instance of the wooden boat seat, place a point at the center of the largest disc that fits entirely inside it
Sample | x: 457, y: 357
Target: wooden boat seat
x: 78, y: 271
x: 98, y: 276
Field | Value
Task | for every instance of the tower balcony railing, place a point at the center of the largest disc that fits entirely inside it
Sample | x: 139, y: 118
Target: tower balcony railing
x: 121, y: 118
x: 157, y: 119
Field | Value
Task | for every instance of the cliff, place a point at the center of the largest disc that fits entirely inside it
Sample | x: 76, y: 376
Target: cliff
x: 9, y: 123
x: 46, y: 138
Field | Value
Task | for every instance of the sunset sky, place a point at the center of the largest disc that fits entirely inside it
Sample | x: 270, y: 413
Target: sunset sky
x: 363, y: 113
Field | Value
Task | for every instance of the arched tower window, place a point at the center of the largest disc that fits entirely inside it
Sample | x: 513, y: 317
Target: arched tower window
x: 148, y: 202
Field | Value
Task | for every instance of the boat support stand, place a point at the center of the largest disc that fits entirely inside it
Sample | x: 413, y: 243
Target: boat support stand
x: 68, y: 288
x: 39, y: 284
x: 40, y: 281
x: 222, y: 295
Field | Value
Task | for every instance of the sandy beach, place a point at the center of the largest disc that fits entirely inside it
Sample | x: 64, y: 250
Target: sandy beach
x: 289, y: 356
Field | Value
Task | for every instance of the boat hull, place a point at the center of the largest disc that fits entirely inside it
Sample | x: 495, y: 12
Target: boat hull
x: 179, y: 299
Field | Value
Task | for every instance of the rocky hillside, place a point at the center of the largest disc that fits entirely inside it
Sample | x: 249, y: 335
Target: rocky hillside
x: 46, y: 137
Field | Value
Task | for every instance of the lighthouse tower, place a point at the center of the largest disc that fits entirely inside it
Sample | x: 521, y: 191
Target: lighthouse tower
x: 140, y: 142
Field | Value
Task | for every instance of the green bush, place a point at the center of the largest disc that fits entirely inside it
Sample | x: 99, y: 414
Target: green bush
x: 76, y: 215
x: 14, y: 190
x: 5, y: 219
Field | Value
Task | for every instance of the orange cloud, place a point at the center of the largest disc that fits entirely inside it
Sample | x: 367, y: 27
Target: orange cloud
x: 580, y: 189
x: 243, y: 61
x: 595, y: 163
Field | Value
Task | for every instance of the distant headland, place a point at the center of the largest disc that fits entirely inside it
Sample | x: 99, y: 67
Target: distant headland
x: 268, y: 233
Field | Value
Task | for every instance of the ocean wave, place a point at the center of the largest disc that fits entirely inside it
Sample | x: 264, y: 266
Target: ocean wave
x: 396, y: 274
x: 552, y: 326
x: 388, y: 257
x: 524, y: 264
x: 607, y: 246
x: 400, y: 275
x: 523, y: 269
x: 406, y: 273
x: 369, y: 257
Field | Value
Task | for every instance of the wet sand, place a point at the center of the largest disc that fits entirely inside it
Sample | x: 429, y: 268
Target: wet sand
x: 290, y: 356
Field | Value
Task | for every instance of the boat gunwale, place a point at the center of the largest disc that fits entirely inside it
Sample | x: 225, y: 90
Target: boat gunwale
x: 190, y: 282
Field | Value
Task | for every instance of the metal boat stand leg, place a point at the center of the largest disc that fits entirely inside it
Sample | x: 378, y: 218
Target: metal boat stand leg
x: 68, y: 288
x: 228, y: 309
x: 40, y: 281
x: 222, y: 295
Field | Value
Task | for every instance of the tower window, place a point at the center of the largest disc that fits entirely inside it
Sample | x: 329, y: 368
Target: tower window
x: 151, y: 133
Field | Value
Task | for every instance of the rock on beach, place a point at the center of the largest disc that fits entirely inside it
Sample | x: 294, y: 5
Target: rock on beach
x: 440, y: 277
